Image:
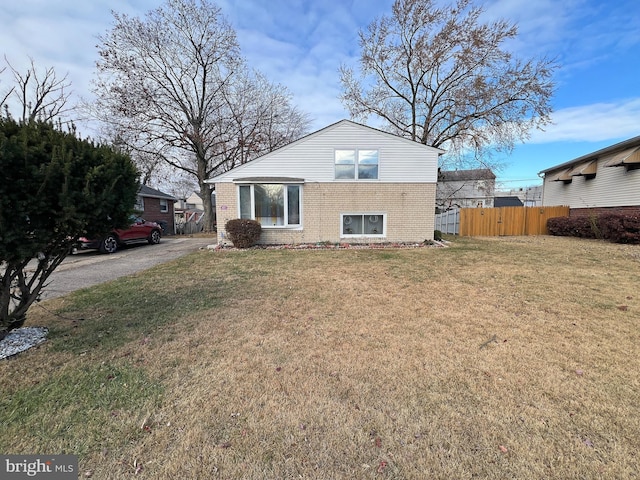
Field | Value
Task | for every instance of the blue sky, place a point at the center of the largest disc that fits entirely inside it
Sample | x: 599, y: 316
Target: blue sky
x: 301, y: 43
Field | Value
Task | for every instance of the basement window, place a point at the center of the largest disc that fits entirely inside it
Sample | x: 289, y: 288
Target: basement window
x: 362, y: 225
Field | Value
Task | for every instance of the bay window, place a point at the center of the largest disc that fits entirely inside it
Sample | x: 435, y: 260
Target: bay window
x: 271, y: 204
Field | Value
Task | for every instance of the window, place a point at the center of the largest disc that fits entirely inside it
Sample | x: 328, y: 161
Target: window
x: 363, y: 225
x: 271, y: 204
x: 139, y: 205
x: 368, y: 164
x: 164, y: 205
x: 366, y: 161
x: 345, y: 163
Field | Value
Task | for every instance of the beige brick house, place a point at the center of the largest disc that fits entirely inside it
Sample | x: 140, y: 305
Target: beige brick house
x: 344, y: 183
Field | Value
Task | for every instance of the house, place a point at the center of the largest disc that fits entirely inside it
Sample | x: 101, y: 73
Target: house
x: 607, y: 180
x: 530, y: 196
x: 465, y: 189
x: 189, y: 214
x: 156, y: 206
x: 193, y: 202
x: 344, y: 183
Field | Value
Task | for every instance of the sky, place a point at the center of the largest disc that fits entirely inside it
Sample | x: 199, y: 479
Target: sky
x: 301, y: 44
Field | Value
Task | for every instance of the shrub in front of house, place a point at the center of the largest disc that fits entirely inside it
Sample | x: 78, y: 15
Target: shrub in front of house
x: 620, y: 228
x: 571, y: 227
x: 242, y: 232
x: 613, y: 227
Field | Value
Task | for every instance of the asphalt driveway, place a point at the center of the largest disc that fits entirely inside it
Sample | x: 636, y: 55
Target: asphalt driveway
x: 88, y: 268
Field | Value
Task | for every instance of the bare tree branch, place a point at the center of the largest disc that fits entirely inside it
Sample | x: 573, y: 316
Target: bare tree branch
x: 42, y: 95
x: 441, y: 77
x: 174, y: 87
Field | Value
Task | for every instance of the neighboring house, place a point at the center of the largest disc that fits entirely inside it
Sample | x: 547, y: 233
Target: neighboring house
x: 189, y: 214
x: 509, y: 201
x: 529, y: 196
x: 605, y: 180
x: 193, y: 202
x: 465, y: 189
x: 156, y: 206
x: 344, y: 183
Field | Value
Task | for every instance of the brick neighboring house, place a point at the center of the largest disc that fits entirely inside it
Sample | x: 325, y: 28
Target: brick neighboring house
x: 156, y: 206
x: 607, y: 180
x: 344, y: 183
x: 465, y: 188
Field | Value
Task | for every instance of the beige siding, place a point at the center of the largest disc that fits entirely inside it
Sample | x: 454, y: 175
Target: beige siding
x: 408, y: 208
x: 611, y: 187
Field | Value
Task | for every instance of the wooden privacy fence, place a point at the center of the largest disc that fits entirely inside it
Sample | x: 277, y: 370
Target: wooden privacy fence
x: 505, y: 221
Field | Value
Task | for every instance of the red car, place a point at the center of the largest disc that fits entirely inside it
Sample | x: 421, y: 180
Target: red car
x: 140, y: 231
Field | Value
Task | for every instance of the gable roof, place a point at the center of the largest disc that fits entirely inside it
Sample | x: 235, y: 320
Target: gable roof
x: 237, y: 171
x: 153, y: 193
x: 462, y: 175
x: 628, y: 146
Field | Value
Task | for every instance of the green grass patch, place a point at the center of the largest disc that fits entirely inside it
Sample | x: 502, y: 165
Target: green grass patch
x: 83, y: 409
x: 110, y: 315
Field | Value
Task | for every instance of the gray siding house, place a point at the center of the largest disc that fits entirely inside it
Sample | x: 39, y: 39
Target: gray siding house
x: 465, y: 189
x: 605, y: 180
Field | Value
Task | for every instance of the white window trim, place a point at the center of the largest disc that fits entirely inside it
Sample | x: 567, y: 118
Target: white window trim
x: 363, y: 235
x: 164, y: 208
x: 356, y: 178
x: 286, y: 226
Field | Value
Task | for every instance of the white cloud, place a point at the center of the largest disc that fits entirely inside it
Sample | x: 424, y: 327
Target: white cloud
x: 592, y: 123
x: 301, y: 43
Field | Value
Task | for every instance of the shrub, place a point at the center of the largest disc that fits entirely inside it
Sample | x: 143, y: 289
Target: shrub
x: 242, y: 232
x: 613, y: 227
x: 571, y: 227
x: 56, y: 188
x: 620, y: 228
x: 437, y: 235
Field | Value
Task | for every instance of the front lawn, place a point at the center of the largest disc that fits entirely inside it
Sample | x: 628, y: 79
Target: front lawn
x: 496, y: 358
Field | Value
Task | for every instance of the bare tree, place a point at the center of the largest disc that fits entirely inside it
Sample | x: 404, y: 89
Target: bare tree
x: 442, y: 77
x: 257, y: 117
x: 176, y: 82
x: 4, y: 96
x: 41, y: 95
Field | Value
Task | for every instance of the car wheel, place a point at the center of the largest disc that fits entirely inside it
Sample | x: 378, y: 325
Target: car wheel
x: 109, y: 244
x: 154, y: 238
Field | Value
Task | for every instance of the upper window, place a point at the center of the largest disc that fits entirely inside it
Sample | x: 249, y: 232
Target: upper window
x: 271, y: 204
x: 356, y: 164
x: 164, y: 205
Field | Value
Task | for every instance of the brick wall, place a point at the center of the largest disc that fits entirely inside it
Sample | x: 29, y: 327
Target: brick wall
x: 153, y: 214
x: 582, y: 212
x: 409, y: 209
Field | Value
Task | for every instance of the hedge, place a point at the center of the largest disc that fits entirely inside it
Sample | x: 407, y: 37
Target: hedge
x: 614, y: 227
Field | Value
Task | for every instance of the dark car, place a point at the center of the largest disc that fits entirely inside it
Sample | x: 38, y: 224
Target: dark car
x: 139, y: 231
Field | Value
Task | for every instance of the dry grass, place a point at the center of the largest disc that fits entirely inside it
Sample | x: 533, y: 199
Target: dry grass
x: 496, y: 358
